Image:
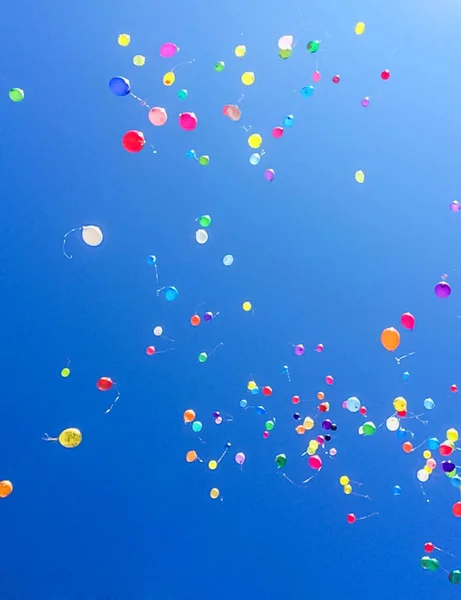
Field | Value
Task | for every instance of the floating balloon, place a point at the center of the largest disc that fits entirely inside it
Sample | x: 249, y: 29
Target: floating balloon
x: 307, y: 91
x: 168, y: 50
x: 189, y: 415
x: 385, y: 75
x: 392, y: 424
x: 313, y: 46
x: 390, y: 339
x: 428, y: 404
x: 202, y: 357
x: 396, y: 490
x: 188, y: 121
x: 214, y: 493
x: 281, y: 461
x: 158, y: 116
x: 197, y: 426
x: 452, y: 435
x: 243, y: 403
x: 299, y: 349
x: 124, y: 40
x: 104, y: 384
x: 315, y: 462
x: 405, y: 376
x: 65, y: 372
x: 353, y: 404
x: 408, y: 321
x: 204, y: 160
x: 457, y: 509
x: 365, y: 102
x: 219, y: 67
x: 195, y: 320
x: 248, y: 78
x: 455, y: 206
x: 359, y: 28
x: 228, y: 260
x: 285, y: 42
x: 430, y: 564
x: 182, y: 94
x: 336, y: 79
x: 369, y: 428
x: 351, y: 518
x: 255, y: 140
x: 139, y: 60
x: 246, y: 306
x: 400, y: 404
x: 240, y: 458
x: 233, y: 112
x: 329, y: 380
x: 359, y: 176
x: 150, y: 350
x: 212, y: 465
x: 169, y: 78
x: 277, y: 132
x: 158, y: 331
x: 171, y: 293
x: 133, y: 141
x: 316, y: 76
x: 288, y: 121
x: 455, y: 577
x: 269, y: 174
x: 201, y: 236
x: 254, y: 159
x: 284, y: 54
x: 6, y: 487
x: 69, y: 438
x: 442, y: 289
x: 191, y: 456
x: 120, y: 86
x: 240, y: 51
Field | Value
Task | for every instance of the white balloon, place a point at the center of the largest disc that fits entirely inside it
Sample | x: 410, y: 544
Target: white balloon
x: 392, y: 423
x: 422, y: 475
x: 201, y: 236
x: 228, y: 260
x: 286, y: 42
x: 158, y: 330
x: 91, y: 235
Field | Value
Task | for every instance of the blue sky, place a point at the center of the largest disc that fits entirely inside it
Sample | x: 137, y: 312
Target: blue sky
x: 321, y: 258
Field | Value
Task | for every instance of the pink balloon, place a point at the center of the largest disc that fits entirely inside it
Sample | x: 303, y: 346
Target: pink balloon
x: 319, y: 348
x: 332, y: 452
x: 277, y: 132
x: 329, y: 380
x: 269, y: 174
x: 345, y: 404
x: 315, y: 462
x: 218, y: 420
x: 455, y: 206
x: 188, y: 121
x: 265, y: 435
x: 158, y: 116
x: 316, y: 76
x: 168, y: 50
x: 240, y: 458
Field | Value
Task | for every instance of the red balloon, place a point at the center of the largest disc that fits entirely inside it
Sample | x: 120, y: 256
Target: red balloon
x: 133, y: 141
x: 336, y: 79
x: 265, y: 435
x: 385, y: 74
x: 104, y: 384
x: 351, y: 518
x: 150, y: 350
x: 453, y: 388
x: 267, y: 391
x: 363, y: 411
x: 408, y: 321
x: 402, y: 413
x: 188, y: 121
x: 429, y: 547
x: 457, y: 509
x: 296, y: 399
x: 315, y: 462
x: 277, y: 132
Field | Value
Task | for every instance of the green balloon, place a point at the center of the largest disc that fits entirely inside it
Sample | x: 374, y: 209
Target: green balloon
x: 202, y: 357
x: 65, y: 372
x: 313, y: 46
x: 205, y: 220
x: 281, y: 460
x: 197, y: 426
x: 219, y: 67
x: 16, y: 95
x: 182, y: 94
x: 284, y: 54
x: 430, y: 564
x: 369, y: 428
x: 455, y: 576
x: 269, y: 425
x: 204, y: 160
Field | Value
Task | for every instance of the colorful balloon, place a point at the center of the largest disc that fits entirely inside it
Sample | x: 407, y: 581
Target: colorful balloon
x: 408, y: 321
x: 171, y: 293
x: 139, y: 60
x: 168, y: 50
x: 157, y: 116
x: 124, y: 40
x: 442, y: 289
x: 390, y: 339
x: 188, y: 121
x: 6, y: 487
x: 120, y: 86
x: 248, y: 78
x: 359, y: 28
x: 133, y: 141
x: 359, y: 176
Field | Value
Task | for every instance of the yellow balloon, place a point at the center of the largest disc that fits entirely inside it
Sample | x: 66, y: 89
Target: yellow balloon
x: 240, y: 51
x: 255, y: 140
x: 344, y: 480
x: 212, y: 465
x: 428, y: 469
x: 427, y: 454
x: 311, y: 451
x: 70, y: 438
x: 139, y: 60
x: 169, y: 78
x: 214, y: 493
x: 248, y: 78
x: 359, y: 28
x: 400, y: 404
x: 308, y: 423
x: 65, y: 372
x: 124, y: 39
x: 347, y: 489
x: 359, y: 176
x: 251, y: 385
x: 246, y: 306
x: 452, y: 435
x: 313, y: 445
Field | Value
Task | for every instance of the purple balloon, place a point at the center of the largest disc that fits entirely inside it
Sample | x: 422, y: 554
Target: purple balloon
x: 327, y: 424
x: 240, y: 458
x: 447, y: 466
x: 269, y: 174
x: 208, y: 316
x: 365, y: 102
x: 442, y: 289
x: 216, y: 414
x: 455, y: 206
x: 299, y: 349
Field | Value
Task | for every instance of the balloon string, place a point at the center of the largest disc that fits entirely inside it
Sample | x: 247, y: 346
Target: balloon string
x: 47, y: 438
x: 159, y: 290
x: 143, y: 102
x: 226, y: 449
x: 361, y: 495
x: 291, y: 481
x: 367, y: 516
x: 114, y: 402
x: 419, y: 445
x: 423, y: 492
x: 417, y: 417
x: 69, y: 256
x: 445, y: 552
x: 187, y: 62
x: 312, y: 476
x: 156, y: 274
x: 163, y: 351
x: 215, y: 348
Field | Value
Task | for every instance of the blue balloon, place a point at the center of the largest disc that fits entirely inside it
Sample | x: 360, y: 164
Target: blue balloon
x: 456, y: 481
x: 243, y: 403
x: 406, y: 376
x: 191, y: 154
x: 307, y: 91
x: 171, y: 293
x: 353, y: 404
x: 433, y: 443
x: 285, y: 369
x: 260, y: 410
x: 429, y: 403
x: 255, y: 391
x: 402, y: 433
x: 288, y: 121
x: 120, y: 86
x: 151, y: 260
x: 397, y: 490
x: 254, y: 159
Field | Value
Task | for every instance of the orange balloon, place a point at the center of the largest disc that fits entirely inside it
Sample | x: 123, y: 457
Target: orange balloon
x: 407, y: 447
x: 390, y: 339
x: 189, y: 415
x: 6, y: 487
x: 195, y: 320
x: 320, y: 396
x: 191, y: 456
x: 300, y: 429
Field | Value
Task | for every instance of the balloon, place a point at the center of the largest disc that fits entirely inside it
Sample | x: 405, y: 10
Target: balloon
x: 240, y: 458
x: 208, y: 316
x: 327, y: 424
x: 359, y: 28
x: 219, y: 67
x: 195, y: 320
x: 433, y: 443
x: 351, y: 518
x: 188, y: 121
x: 204, y: 160
x: 385, y: 75
x: 347, y: 489
x: 405, y: 376
x: 315, y: 462
x: 124, y: 40
x: 392, y: 423
x: 169, y: 78
x: 300, y: 429
x: 240, y: 51
x: 266, y: 435
x: 369, y: 428
x: 299, y: 349
x: 455, y: 206
x: 228, y: 260
x: 65, y: 372
x: 336, y: 79
x: 269, y: 174
x: 313, y: 46
x: 447, y: 466
x: 197, y: 426
x: 246, y: 306
x: 452, y: 435
x: 248, y: 78
x: 16, y: 94
x: 396, y: 490
x: 202, y: 357
x: 430, y: 564
x: 70, y: 437
x: 284, y: 54
x: 288, y: 121
x: 171, y: 293
x: 365, y: 102
x: 429, y: 547
x: 168, y: 50
x: 277, y: 132
x: 158, y: 331
x: 189, y: 415
x: 319, y: 348
x: 243, y: 403
x: 260, y: 410
x: 296, y: 399
x: 399, y: 403
x: 158, y: 116
x: 133, y: 141
x: 150, y: 350
x: 428, y: 403
x: 212, y: 465
x: 307, y: 91
x: 151, y: 260
x: 191, y: 456
x: 457, y: 509
x: 91, y: 235
x: 285, y: 42
x: 359, y: 176
x: 254, y: 159
x: 104, y: 384
x: 454, y: 577
x: 267, y: 390
x: 281, y: 461
x: 316, y: 76
x: 329, y: 380
x: 251, y: 385
x: 442, y: 289
x: 427, y: 454
x: 446, y: 448
x: 353, y: 404
x: 120, y: 86
x: 422, y: 475
x: 191, y: 154
x: 453, y: 388
x: 390, y: 339
x: 201, y: 236
x: 344, y: 480
x: 308, y: 423
x: 407, y: 447
x: 233, y: 112
x: 214, y: 493
x: 182, y: 94
x: 6, y: 487
x: 269, y: 425
x: 255, y: 140
x: 139, y: 60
